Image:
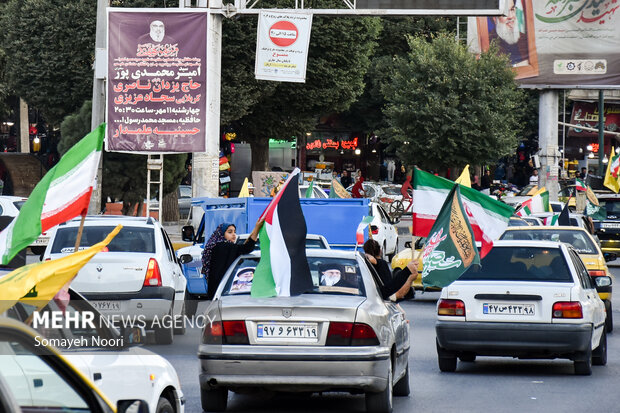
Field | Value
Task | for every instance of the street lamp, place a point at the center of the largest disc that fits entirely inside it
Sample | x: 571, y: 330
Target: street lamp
x: 358, y: 151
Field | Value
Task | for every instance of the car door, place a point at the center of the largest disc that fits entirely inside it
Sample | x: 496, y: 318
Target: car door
x: 592, y: 306
x: 174, y: 267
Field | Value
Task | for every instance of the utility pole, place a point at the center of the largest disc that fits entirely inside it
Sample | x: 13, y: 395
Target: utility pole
x: 24, y: 126
x: 98, y: 111
x: 548, y: 142
x: 601, y: 132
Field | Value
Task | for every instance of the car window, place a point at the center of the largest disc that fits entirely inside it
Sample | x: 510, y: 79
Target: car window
x: 369, y: 191
x: 318, y: 193
x: 129, y: 239
x: 611, y: 205
x: 521, y: 264
x: 185, y: 192
x: 383, y: 214
x: 391, y: 190
x: 582, y: 272
x: 578, y: 239
x: 168, y: 246
x: 556, y: 207
x: 517, y: 222
x: 19, y: 204
x: 329, y: 276
x: 1, y: 210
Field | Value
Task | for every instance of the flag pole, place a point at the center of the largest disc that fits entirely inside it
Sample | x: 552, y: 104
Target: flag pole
x: 78, y: 238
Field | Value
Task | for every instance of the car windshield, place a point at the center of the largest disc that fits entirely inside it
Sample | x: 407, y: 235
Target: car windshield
x: 391, y: 190
x: 310, y: 243
x: 611, y: 205
x: 525, y: 190
x: 520, y: 264
x: 129, y: 239
x: 329, y: 276
x: 579, y: 240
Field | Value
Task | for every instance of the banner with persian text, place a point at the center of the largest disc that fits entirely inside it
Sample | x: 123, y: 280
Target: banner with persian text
x: 156, y: 86
x: 559, y: 44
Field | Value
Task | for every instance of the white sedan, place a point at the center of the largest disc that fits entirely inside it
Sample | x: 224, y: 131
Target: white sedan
x: 383, y: 229
x: 529, y: 299
x: 10, y: 206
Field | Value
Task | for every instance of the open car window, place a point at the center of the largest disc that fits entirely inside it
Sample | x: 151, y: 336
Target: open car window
x: 329, y: 276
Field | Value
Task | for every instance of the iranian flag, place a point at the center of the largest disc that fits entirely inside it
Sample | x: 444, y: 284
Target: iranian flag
x: 487, y: 216
x: 283, y: 269
x: 580, y: 186
x: 536, y: 204
x: 62, y: 194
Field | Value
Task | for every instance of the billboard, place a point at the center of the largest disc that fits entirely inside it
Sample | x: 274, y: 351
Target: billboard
x: 586, y: 114
x: 558, y: 44
x: 156, y: 85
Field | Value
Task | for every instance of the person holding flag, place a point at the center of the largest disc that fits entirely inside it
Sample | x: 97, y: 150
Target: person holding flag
x: 395, y: 286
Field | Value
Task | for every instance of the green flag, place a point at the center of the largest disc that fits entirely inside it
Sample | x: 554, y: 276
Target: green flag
x: 309, y: 190
x: 595, y: 212
x: 450, y: 247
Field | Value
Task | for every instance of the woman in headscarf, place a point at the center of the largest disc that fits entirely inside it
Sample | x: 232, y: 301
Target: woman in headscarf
x: 221, y: 250
x: 395, y: 286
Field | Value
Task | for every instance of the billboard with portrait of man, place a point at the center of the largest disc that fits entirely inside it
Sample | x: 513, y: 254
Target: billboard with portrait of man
x: 559, y: 44
x: 156, y: 85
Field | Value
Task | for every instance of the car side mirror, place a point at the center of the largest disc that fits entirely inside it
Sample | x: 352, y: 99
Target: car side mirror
x: 610, y: 256
x: 394, y: 221
x: 133, y: 336
x: 187, y: 233
x: 132, y: 406
x: 186, y: 259
x: 604, y: 281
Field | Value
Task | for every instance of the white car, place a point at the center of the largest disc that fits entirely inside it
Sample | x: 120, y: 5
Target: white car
x: 137, y: 275
x: 383, y: 230
x: 121, y: 372
x: 10, y: 206
x: 317, y: 191
x: 528, y: 299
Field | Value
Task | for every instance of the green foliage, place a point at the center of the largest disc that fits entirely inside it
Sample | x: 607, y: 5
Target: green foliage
x: 447, y: 108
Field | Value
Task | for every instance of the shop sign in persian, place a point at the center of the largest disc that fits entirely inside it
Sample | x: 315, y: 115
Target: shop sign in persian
x: 586, y: 114
x: 156, y: 100
x: 561, y: 43
x: 282, y: 42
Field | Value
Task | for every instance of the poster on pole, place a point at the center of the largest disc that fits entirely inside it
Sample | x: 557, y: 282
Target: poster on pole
x: 156, y: 85
x: 282, y: 42
x: 558, y: 44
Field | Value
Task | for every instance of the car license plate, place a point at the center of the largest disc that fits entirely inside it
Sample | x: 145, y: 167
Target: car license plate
x: 106, y: 305
x: 287, y: 330
x: 41, y: 241
x: 611, y: 225
x: 508, y: 309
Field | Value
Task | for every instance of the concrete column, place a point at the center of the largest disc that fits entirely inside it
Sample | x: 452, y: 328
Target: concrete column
x: 24, y: 134
x: 548, y: 142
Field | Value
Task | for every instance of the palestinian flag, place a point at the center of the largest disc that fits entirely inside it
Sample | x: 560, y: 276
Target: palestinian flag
x: 613, y: 169
x: 62, y: 194
x: 580, y: 186
x: 283, y: 268
x: 487, y: 216
x: 450, y: 248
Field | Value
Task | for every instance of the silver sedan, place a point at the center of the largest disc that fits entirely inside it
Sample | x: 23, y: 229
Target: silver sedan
x: 342, y: 336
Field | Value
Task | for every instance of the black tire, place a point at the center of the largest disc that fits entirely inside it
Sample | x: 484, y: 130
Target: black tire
x: 467, y: 357
x: 445, y: 359
x: 583, y: 363
x: 609, y: 318
x: 164, y: 406
x: 163, y: 335
x: 401, y: 388
x: 214, y: 400
x: 381, y: 402
x: 599, y: 355
x: 179, y: 331
x: 191, y: 304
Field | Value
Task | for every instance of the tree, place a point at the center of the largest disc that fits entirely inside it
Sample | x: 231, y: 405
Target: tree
x: 446, y: 107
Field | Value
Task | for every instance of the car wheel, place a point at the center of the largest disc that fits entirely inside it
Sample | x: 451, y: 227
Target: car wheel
x: 583, y: 363
x: 467, y: 357
x: 401, y: 388
x: 599, y: 355
x: 381, y: 402
x: 164, y: 406
x: 214, y: 400
x: 163, y: 334
x: 446, y: 359
x: 179, y: 331
x: 191, y: 304
x: 609, y: 318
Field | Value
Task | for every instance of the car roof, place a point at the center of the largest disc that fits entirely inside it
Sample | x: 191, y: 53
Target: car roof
x: 526, y: 243
x: 547, y: 227
x: 110, y: 219
x: 13, y: 198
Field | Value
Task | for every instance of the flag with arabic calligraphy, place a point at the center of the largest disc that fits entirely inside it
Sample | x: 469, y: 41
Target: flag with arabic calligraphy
x: 63, y: 193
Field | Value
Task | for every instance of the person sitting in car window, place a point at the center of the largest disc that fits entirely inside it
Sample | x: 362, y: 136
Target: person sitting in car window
x: 395, y: 286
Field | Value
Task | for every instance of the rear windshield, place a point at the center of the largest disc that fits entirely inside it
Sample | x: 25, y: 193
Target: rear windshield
x: 612, y: 206
x: 521, y: 264
x: 129, y: 239
x: 329, y: 276
x: 580, y: 241
x: 391, y: 190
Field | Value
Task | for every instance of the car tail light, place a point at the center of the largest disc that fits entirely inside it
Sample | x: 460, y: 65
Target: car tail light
x: 374, y: 229
x: 153, y: 276
x: 350, y: 334
x: 235, y: 332
x: 451, y: 307
x: 387, y: 200
x: 597, y: 273
x: 567, y: 309
x: 213, y: 333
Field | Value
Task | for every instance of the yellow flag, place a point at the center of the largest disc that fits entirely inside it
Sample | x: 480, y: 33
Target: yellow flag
x: 245, y: 192
x: 611, y: 182
x: 36, y: 284
x: 464, y: 179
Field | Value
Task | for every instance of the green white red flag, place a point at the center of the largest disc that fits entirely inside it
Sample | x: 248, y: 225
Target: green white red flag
x: 62, y: 194
x: 536, y: 204
x: 487, y: 216
x: 580, y: 186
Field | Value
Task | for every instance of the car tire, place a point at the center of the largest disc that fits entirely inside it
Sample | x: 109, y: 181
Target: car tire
x: 164, y: 335
x: 467, y: 357
x: 381, y: 402
x: 164, y: 406
x: 191, y: 304
x: 599, y: 355
x: 401, y: 388
x: 609, y: 318
x: 446, y: 359
x: 583, y: 363
x: 214, y: 400
x: 181, y: 330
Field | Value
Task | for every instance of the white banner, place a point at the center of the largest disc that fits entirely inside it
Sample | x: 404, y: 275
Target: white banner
x: 282, y: 46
